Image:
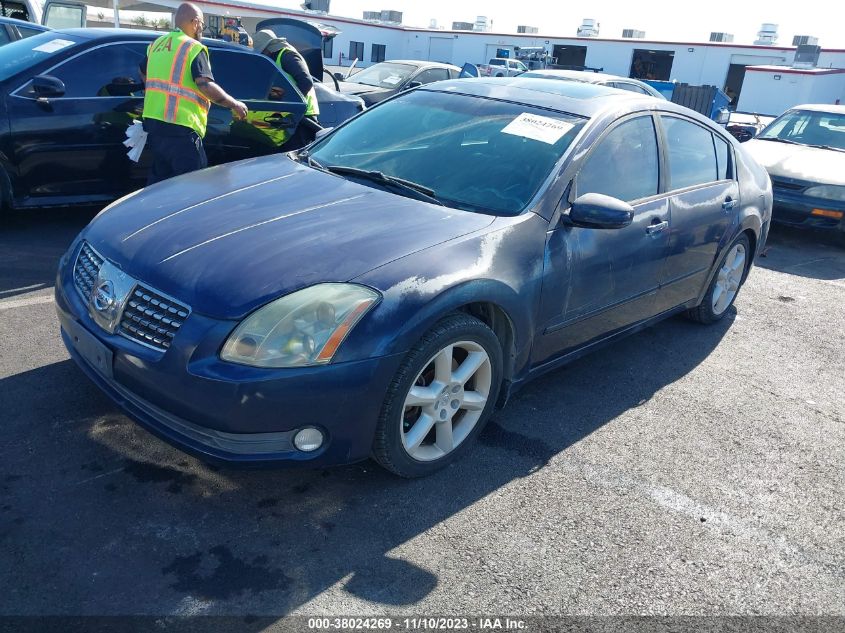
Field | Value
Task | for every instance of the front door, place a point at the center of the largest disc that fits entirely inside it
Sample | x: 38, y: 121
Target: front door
x: 598, y: 281
x: 276, y: 107
x: 70, y: 148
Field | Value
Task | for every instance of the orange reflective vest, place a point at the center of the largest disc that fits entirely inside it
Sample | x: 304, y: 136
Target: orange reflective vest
x: 171, y: 94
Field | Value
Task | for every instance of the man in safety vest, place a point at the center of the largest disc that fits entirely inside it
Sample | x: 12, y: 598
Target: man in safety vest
x: 179, y: 91
x: 293, y: 66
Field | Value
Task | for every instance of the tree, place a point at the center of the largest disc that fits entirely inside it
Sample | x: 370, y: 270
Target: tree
x: 140, y: 21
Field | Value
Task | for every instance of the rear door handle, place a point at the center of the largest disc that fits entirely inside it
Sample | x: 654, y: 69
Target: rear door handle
x: 657, y: 227
x: 728, y: 204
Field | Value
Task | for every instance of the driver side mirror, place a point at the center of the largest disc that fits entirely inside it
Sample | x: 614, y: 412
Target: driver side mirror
x: 598, y: 211
x: 413, y: 84
x: 46, y: 86
x: 339, y: 77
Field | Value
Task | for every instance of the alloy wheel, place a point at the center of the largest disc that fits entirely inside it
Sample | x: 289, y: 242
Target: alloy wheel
x: 446, y: 400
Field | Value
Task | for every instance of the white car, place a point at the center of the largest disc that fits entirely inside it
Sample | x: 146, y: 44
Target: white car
x: 602, y: 79
x: 804, y: 152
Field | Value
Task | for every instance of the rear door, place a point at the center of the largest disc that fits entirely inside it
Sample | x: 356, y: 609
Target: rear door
x: 704, y: 200
x: 71, y: 147
x: 275, y: 107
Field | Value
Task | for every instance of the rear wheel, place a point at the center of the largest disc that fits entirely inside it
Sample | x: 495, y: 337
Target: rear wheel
x: 725, y: 284
x: 441, y: 397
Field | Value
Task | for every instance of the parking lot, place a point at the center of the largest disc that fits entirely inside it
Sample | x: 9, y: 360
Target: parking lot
x: 688, y: 470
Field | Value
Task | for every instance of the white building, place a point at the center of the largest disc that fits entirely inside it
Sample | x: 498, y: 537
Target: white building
x: 721, y: 64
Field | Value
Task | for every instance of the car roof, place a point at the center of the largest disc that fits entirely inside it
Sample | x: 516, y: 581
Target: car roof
x: 821, y: 107
x: 24, y: 23
x: 419, y: 63
x: 125, y: 35
x: 573, y: 97
x: 577, y: 75
x: 567, y: 96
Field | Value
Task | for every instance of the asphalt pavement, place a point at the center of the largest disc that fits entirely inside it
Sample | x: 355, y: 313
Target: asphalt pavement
x: 688, y: 470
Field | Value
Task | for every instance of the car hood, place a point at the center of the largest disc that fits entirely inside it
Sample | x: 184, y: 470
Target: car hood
x: 231, y: 238
x: 810, y: 164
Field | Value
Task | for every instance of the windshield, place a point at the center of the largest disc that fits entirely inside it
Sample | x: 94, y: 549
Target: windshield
x: 384, y: 75
x: 808, y: 127
x: 20, y: 55
x: 471, y: 153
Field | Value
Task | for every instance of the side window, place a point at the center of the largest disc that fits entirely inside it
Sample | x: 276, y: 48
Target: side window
x: 328, y: 48
x: 432, y: 74
x: 356, y: 50
x: 692, y: 158
x: 624, y: 164
x: 723, y: 159
x: 377, y: 53
x: 107, y: 71
x: 27, y: 32
x: 624, y: 85
x: 4, y: 35
x: 250, y: 77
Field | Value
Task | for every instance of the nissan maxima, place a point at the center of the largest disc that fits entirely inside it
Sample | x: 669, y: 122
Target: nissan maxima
x: 379, y: 293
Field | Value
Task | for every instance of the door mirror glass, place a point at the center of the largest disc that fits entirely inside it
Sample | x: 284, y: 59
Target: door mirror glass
x: 469, y: 70
x: 598, y: 211
x: 46, y: 86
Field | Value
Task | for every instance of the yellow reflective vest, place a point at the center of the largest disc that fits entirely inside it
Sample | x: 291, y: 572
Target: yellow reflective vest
x: 311, y: 106
x: 171, y: 94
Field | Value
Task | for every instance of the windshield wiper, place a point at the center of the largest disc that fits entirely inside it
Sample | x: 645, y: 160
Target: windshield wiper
x: 379, y: 177
x: 778, y: 140
x: 304, y: 155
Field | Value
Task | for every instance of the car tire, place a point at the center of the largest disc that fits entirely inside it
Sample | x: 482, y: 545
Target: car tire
x: 440, y: 399
x: 726, y: 283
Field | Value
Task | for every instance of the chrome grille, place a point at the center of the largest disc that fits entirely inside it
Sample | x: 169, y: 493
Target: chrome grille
x: 88, y: 264
x: 151, y: 318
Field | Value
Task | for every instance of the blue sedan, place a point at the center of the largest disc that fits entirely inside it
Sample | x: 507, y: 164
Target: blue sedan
x: 381, y: 292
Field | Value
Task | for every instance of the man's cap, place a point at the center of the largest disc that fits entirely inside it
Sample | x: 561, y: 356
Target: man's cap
x: 265, y: 41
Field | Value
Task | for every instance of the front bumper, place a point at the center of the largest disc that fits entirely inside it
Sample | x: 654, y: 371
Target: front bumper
x: 224, y: 412
x: 796, y: 209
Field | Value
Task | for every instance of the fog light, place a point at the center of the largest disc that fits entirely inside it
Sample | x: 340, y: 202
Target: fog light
x: 308, y: 440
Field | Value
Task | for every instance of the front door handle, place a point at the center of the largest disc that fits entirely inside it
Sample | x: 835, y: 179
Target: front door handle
x: 280, y: 120
x: 728, y: 204
x: 657, y: 227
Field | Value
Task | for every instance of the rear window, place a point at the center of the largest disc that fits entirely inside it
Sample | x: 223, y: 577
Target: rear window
x: 18, y: 56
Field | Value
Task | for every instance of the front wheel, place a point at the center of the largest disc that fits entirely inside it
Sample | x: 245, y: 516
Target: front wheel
x: 440, y: 399
x: 726, y: 283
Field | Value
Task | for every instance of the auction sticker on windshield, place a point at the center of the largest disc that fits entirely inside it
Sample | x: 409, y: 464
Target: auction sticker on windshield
x: 538, y: 128
x: 53, y: 45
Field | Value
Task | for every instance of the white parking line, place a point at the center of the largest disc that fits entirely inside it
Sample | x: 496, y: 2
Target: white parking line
x: 24, y: 288
x: 9, y: 304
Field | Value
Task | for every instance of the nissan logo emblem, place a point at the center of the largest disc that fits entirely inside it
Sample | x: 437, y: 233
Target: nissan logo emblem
x: 103, y: 296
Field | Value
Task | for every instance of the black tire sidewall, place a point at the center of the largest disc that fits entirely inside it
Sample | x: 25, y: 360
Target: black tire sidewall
x: 388, y: 449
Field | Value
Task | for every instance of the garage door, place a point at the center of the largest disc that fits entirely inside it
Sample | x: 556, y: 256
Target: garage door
x: 440, y: 49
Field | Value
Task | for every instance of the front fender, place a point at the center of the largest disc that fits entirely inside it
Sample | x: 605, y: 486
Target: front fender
x: 502, y: 266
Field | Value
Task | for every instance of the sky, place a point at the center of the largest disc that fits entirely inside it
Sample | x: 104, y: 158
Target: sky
x: 674, y: 20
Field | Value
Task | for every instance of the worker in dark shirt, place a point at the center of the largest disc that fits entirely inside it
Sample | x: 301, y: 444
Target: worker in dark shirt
x: 293, y: 66
x: 179, y: 91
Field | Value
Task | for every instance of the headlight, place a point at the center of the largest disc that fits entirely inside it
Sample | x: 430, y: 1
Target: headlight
x: 304, y: 328
x: 828, y: 192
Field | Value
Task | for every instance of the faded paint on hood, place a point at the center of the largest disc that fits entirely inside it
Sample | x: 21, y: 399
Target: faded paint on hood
x: 234, y: 237
x: 801, y: 162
